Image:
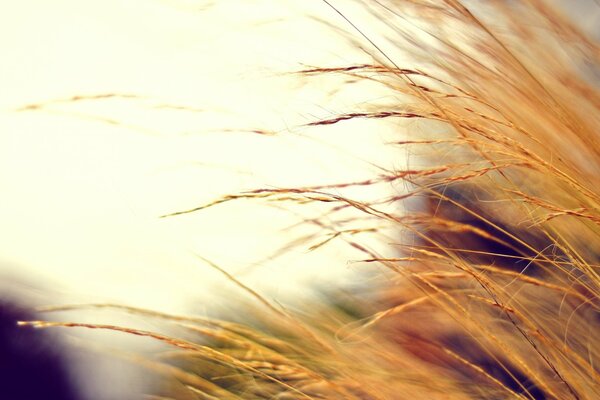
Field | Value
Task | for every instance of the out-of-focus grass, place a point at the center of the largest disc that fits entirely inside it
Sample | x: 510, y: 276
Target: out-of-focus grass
x: 490, y: 286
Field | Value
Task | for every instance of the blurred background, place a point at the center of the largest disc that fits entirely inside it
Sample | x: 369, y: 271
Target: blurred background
x: 115, y: 113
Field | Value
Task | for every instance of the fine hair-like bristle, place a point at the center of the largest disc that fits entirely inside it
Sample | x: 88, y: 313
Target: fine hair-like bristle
x: 491, y: 287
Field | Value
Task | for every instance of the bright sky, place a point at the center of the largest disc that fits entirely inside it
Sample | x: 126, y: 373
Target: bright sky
x: 83, y: 183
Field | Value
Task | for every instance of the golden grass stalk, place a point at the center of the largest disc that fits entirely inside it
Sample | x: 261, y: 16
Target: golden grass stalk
x: 494, y: 291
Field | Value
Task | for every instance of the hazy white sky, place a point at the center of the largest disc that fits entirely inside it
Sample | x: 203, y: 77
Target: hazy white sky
x: 83, y: 182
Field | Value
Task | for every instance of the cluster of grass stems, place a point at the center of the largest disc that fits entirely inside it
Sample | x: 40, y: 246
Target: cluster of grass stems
x: 493, y: 290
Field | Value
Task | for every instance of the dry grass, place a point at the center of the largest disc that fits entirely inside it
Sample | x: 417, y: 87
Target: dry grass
x: 494, y: 293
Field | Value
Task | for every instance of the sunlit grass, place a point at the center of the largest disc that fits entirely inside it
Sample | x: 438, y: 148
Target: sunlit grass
x: 487, y: 282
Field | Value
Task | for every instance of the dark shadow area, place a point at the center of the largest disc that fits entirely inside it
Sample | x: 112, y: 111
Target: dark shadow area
x: 31, y: 363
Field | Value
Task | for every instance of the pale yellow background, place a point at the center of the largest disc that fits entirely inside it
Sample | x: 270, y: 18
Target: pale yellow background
x: 83, y: 183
